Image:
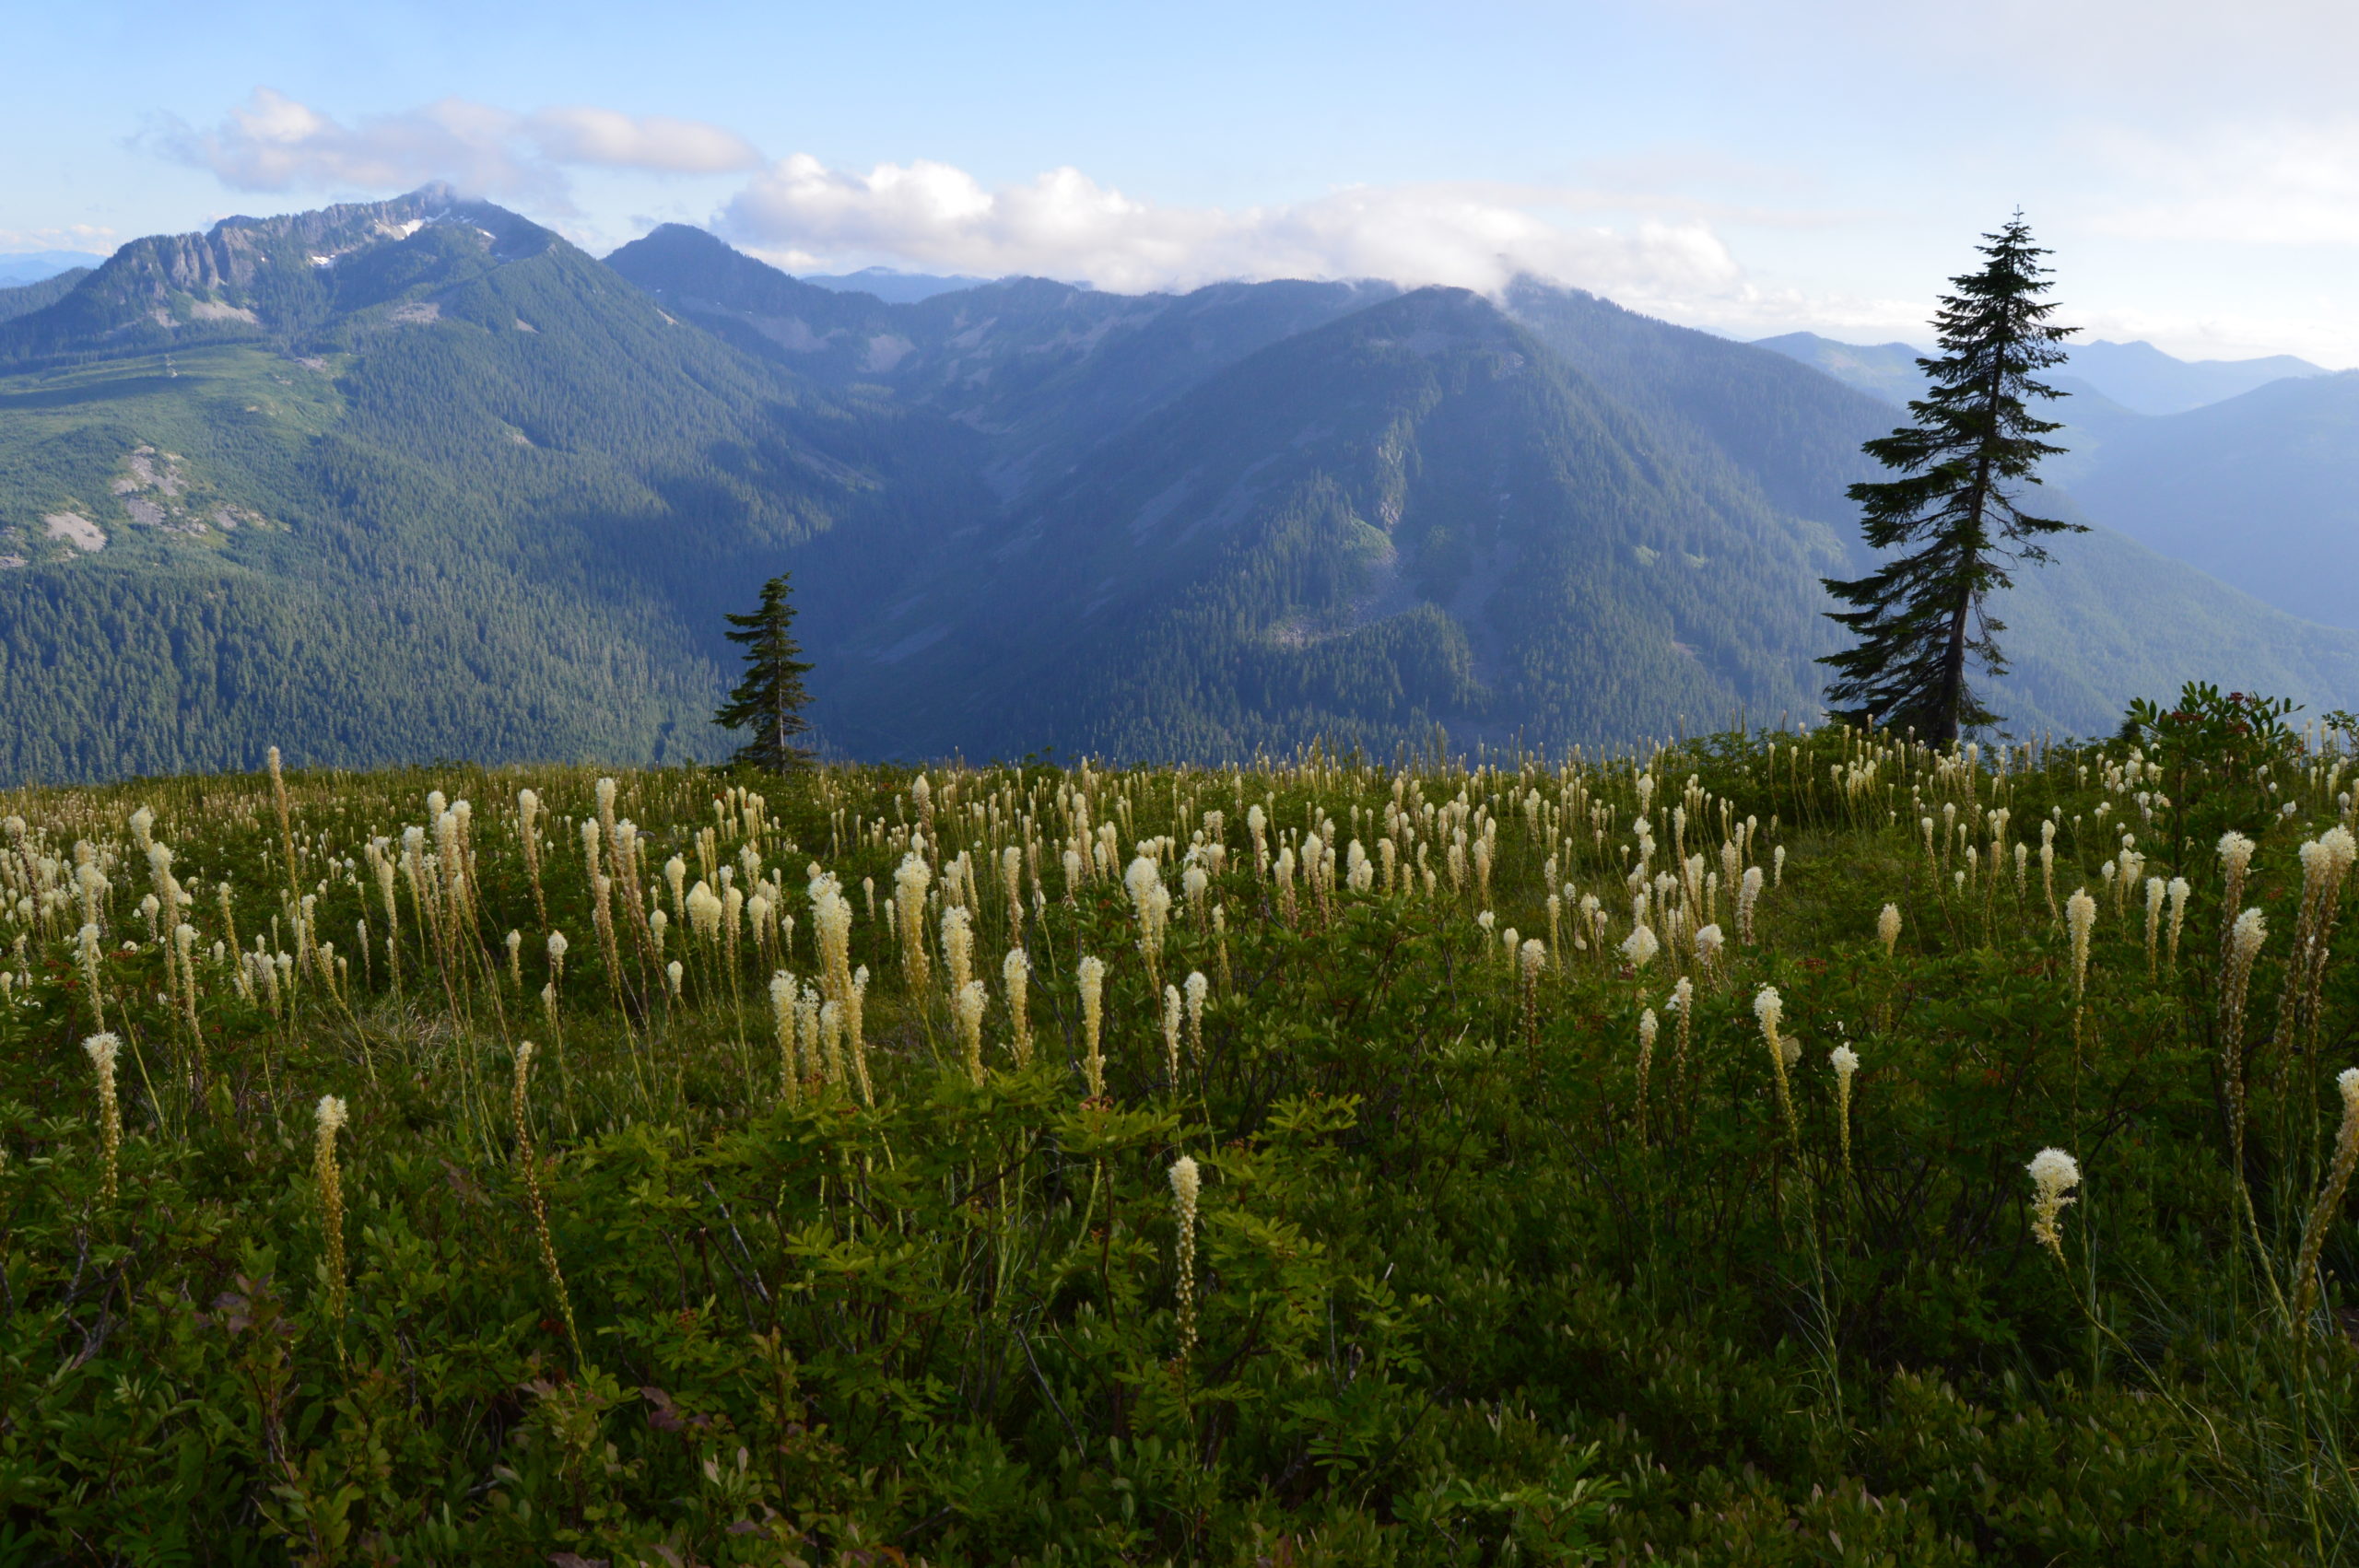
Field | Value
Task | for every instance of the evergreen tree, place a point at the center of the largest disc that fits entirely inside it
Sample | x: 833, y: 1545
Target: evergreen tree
x: 1973, y: 446
x: 769, y: 701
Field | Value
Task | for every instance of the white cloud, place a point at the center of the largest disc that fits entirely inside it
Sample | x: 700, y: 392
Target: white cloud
x: 1064, y: 224
x: 655, y: 142
x: 2268, y: 183
x: 66, y: 237
x: 274, y: 143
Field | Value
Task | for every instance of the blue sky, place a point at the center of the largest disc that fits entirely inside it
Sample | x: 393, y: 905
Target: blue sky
x: 1752, y: 167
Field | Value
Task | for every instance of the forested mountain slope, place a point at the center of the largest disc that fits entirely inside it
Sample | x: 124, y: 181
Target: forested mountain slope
x: 418, y: 479
x: 1041, y: 370
x: 2248, y: 472
x: 461, y: 491
x: 2084, y: 633
x: 1414, y: 514
x: 1563, y: 521
x: 22, y: 300
x: 2261, y: 491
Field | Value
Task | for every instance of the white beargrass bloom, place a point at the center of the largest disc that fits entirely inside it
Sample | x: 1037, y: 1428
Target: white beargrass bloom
x: 2327, y: 1205
x: 1015, y: 977
x: 1769, y: 1007
x: 1888, y: 928
x: 2236, y: 860
x: 958, y: 947
x: 1708, y: 942
x: 329, y: 1119
x: 2245, y: 938
x: 1174, y: 1009
x: 2054, y: 1174
x: 704, y: 912
x: 911, y: 879
x: 1748, y: 892
x: 1187, y: 1185
x: 2079, y: 917
x: 674, y: 973
x: 1092, y: 978
x: 968, y: 1002
x: 2341, y: 846
x: 782, y: 1021
x: 1640, y: 947
x: 103, y: 1050
x: 1139, y: 881
x: 832, y: 1034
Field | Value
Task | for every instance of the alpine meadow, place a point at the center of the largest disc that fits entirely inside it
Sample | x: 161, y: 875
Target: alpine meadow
x: 660, y: 914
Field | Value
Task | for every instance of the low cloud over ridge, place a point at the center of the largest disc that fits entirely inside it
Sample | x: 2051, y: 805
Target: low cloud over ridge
x: 1660, y: 254
x: 1064, y: 224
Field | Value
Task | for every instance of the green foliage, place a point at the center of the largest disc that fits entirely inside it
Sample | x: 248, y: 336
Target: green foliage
x: 1459, y: 1299
x: 2213, y: 757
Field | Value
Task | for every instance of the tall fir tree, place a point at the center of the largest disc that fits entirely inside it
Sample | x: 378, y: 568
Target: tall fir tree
x: 769, y: 702
x: 1972, y: 448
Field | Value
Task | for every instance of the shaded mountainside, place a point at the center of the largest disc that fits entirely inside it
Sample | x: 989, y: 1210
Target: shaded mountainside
x: 1415, y: 514
x: 1883, y: 370
x: 2254, y: 488
x: 418, y: 479
x: 23, y: 300
x: 1040, y: 371
x: 2261, y: 491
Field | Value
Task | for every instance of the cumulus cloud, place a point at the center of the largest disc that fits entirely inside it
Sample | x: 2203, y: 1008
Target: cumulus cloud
x: 274, y: 143
x: 1064, y: 224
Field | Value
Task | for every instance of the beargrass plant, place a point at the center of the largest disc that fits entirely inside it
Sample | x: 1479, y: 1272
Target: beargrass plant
x: 1298, y: 1219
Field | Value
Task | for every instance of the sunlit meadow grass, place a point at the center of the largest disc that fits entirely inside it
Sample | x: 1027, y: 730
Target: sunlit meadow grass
x: 1776, y: 1149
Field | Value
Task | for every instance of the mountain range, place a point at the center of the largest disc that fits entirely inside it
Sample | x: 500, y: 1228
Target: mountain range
x: 20, y: 267
x: 2137, y: 377
x: 892, y: 287
x: 2248, y: 469
x: 418, y: 479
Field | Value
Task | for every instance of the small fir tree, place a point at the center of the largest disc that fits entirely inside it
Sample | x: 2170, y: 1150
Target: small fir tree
x: 769, y: 702
x: 1973, y: 446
